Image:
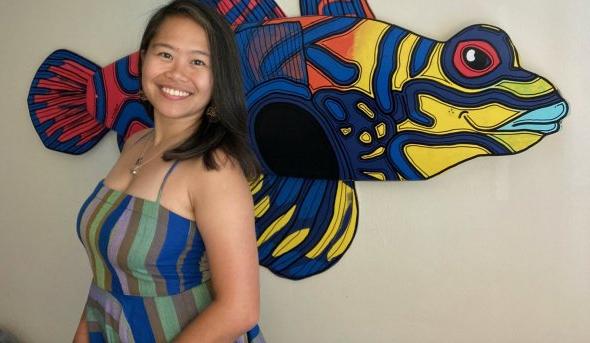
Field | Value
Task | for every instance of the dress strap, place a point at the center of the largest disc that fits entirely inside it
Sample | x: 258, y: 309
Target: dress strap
x: 166, y: 178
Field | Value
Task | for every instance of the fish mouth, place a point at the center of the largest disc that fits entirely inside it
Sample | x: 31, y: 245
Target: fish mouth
x: 544, y: 120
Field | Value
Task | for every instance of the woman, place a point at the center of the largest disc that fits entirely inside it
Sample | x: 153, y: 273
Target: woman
x: 177, y: 190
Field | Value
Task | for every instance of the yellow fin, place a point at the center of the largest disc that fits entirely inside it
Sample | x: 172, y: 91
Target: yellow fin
x: 261, y: 207
x: 290, y: 242
x: 344, y: 241
x: 276, y: 226
x: 343, y: 193
x: 256, y: 186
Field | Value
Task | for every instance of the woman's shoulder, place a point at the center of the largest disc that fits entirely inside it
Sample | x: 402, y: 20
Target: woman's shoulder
x: 202, y: 180
x: 212, y: 191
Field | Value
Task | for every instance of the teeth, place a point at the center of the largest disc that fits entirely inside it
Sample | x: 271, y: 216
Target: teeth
x: 174, y: 92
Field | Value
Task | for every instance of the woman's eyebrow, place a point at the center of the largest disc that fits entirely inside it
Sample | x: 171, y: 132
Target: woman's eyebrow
x: 164, y: 45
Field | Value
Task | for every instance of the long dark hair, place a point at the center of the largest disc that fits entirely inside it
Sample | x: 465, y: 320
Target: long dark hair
x: 229, y: 130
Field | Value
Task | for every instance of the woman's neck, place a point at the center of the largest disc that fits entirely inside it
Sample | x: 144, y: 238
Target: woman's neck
x: 168, y: 131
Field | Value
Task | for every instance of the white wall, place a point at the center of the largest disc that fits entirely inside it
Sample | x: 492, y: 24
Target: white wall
x: 495, y: 250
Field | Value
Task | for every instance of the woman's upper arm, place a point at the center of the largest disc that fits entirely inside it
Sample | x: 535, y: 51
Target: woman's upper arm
x: 222, y: 205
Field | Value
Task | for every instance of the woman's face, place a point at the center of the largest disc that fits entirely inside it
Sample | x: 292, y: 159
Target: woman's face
x: 177, y: 78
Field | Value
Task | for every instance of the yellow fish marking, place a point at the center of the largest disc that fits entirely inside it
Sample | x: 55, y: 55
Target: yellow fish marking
x: 366, y: 110
x: 363, y: 53
x: 381, y: 130
x: 344, y: 196
x: 256, y: 185
x: 276, y: 226
x: 344, y: 241
x: 376, y: 175
x: 536, y: 87
x: 431, y: 160
x: 376, y: 153
x: 365, y: 137
x: 517, y: 141
x: 290, y: 242
x: 450, y: 118
x: 262, y: 206
x: 402, y: 72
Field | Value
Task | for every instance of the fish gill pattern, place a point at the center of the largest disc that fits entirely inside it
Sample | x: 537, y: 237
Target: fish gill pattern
x: 333, y: 96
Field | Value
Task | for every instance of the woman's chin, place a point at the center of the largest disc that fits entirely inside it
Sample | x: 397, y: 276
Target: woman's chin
x: 171, y: 114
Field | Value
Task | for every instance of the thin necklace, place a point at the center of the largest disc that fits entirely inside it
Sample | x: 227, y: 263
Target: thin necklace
x: 139, y: 162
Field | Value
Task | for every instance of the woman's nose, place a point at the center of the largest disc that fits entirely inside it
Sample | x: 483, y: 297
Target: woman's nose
x: 176, y: 71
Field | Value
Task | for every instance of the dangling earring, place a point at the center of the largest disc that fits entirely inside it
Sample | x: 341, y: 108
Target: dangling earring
x: 211, y: 112
x: 141, y: 95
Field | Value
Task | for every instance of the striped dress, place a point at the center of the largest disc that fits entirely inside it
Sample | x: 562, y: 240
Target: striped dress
x: 150, y: 271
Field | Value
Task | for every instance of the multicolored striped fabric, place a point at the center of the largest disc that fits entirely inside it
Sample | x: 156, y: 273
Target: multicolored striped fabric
x: 150, y: 271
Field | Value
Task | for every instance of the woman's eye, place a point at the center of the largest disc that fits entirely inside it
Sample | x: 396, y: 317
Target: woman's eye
x: 198, y: 62
x: 165, y: 55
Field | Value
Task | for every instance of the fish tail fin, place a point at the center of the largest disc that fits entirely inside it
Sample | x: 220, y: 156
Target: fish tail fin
x: 337, y: 8
x: 303, y: 226
x: 238, y: 12
x: 73, y: 102
x: 58, y: 103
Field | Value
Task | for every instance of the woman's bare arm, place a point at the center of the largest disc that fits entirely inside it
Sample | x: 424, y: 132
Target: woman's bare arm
x: 224, y: 213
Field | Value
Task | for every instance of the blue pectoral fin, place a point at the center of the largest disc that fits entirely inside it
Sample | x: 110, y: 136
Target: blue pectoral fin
x: 303, y: 226
x: 543, y: 120
x: 337, y: 8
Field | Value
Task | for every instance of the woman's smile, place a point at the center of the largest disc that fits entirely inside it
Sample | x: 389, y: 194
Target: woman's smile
x: 177, y: 77
x: 174, y: 94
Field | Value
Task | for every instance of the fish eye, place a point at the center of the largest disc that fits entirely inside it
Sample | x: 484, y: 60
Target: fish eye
x: 475, y: 58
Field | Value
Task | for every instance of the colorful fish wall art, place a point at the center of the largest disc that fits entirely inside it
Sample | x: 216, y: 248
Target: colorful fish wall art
x: 334, y: 96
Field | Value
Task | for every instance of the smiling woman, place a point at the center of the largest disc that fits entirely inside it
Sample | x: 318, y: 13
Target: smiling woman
x: 170, y: 231
x: 176, y: 73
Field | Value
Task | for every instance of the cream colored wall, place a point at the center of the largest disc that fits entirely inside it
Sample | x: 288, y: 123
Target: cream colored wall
x: 495, y: 250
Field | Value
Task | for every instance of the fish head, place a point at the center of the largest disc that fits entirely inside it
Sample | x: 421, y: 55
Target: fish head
x: 474, y: 84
